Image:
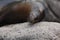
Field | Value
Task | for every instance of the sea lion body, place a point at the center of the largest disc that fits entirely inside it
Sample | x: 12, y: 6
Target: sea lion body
x: 21, y: 12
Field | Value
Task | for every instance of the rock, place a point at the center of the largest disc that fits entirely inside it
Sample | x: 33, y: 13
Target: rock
x: 54, y: 6
x: 38, y: 31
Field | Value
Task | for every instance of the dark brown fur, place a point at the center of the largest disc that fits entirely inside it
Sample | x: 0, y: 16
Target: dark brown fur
x: 15, y: 13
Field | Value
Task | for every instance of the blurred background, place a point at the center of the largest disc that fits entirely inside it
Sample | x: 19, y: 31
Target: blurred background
x: 4, y: 2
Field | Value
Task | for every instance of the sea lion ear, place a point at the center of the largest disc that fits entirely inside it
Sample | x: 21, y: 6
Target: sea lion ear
x: 41, y: 7
x: 41, y: 10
